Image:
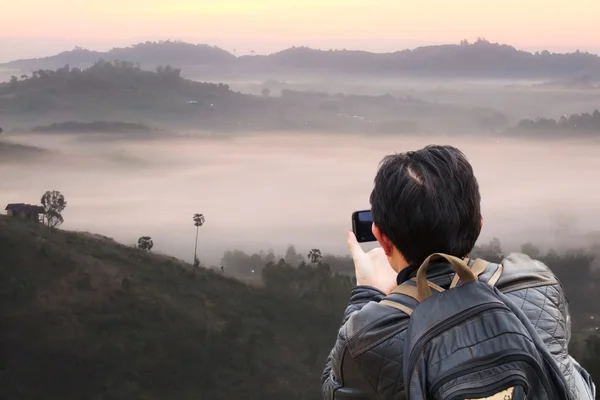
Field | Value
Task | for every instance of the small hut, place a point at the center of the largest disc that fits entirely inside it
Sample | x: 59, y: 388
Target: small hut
x: 25, y: 211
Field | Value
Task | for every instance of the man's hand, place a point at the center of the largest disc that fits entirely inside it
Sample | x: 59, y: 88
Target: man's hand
x: 372, y: 268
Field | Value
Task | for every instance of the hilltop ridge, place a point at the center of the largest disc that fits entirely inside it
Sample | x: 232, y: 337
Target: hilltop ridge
x: 480, y: 59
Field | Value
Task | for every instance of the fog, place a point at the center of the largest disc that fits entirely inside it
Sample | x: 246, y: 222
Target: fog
x: 265, y: 192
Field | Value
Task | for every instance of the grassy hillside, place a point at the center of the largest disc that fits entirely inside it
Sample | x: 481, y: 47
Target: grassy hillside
x: 84, y: 317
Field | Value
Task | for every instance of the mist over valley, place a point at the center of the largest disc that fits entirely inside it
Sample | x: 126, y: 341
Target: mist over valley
x: 270, y: 190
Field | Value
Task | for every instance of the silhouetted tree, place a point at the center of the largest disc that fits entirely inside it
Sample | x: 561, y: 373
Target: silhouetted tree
x: 530, y: 250
x: 292, y: 257
x: 54, y: 203
x: 198, y: 222
x: 315, y: 256
x: 492, y: 251
x: 145, y: 243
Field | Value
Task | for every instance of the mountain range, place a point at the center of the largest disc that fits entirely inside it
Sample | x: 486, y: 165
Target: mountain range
x: 480, y: 59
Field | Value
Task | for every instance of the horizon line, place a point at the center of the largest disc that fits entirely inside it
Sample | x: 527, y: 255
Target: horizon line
x: 313, y: 46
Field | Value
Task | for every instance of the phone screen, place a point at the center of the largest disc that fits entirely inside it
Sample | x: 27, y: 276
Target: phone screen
x: 362, y: 222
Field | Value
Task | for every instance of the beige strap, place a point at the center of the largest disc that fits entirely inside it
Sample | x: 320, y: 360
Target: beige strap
x: 479, y: 266
x: 407, y: 290
x: 405, y: 309
x: 496, y: 275
x: 460, y: 267
x: 432, y: 285
x: 504, y: 395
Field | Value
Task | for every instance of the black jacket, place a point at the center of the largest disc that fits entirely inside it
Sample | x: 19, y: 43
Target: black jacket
x: 366, y: 360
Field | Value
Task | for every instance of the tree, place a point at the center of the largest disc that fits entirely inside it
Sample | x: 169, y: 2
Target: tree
x: 292, y: 257
x: 198, y: 222
x: 491, y: 251
x: 531, y: 250
x: 315, y: 256
x: 145, y: 243
x: 54, y: 203
x: 266, y: 92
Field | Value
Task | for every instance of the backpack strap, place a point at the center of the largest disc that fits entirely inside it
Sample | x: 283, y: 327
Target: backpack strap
x: 405, y: 309
x: 458, y: 265
x: 412, y: 291
x: 432, y: 285
x: 478, y: 267
x: 404, y: 289
x: 496, y: 275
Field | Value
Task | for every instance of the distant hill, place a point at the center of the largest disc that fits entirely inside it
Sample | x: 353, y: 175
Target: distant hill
x: 480, y: 59
x: 583, y: 124
x: 583, y: 82
x: 150, y: 54
x: 18, y: 152
x: 96, y: 126
x: 122, y: 91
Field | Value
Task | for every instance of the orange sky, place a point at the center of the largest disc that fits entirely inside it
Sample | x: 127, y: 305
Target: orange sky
x: 268, y: 25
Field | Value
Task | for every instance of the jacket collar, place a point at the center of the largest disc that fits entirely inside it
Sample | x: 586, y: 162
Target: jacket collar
x: 436, y: 268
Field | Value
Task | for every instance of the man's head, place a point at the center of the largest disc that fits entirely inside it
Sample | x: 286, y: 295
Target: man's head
x: 425, y: 201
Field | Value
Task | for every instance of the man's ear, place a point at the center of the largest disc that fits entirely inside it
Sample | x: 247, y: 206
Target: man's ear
x: 384, y: 242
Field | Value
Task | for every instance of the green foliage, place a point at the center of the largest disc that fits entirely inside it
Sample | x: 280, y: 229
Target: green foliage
x: 584, y: 123
x: 54, y: 204
x: 145, y: 243
x: 199, y: 220
x: 315, y: 256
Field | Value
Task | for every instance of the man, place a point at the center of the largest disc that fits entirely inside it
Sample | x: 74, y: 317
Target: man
x: 426, y: 202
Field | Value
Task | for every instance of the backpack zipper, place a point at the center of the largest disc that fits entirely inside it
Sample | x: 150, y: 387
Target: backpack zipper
x: 491, y: 390
x: 466, y: 315
x: 462, y: 371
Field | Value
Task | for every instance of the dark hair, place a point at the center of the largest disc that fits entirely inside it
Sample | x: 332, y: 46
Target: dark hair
x: 427, y: 201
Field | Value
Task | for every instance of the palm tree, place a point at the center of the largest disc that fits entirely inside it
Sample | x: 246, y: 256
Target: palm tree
x: 198, y: 222
x: 315, y: 256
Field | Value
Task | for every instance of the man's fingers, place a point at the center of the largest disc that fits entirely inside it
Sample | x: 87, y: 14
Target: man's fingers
x: 353, y: 245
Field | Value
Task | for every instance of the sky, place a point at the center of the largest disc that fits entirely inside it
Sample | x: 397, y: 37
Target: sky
x: 43, y: 27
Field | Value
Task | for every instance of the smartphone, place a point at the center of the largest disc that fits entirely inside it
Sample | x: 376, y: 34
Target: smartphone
x: 362, y: 221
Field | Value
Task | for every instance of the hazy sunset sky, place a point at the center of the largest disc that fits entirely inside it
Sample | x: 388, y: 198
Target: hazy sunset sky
x: 43, y: 27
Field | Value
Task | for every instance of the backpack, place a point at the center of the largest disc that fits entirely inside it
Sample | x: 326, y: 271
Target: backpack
x: 472, y: 342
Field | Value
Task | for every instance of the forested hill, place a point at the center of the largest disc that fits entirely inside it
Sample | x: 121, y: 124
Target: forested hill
x: 123, y: 91
x: 480, y: 59
x: 84, y: 317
